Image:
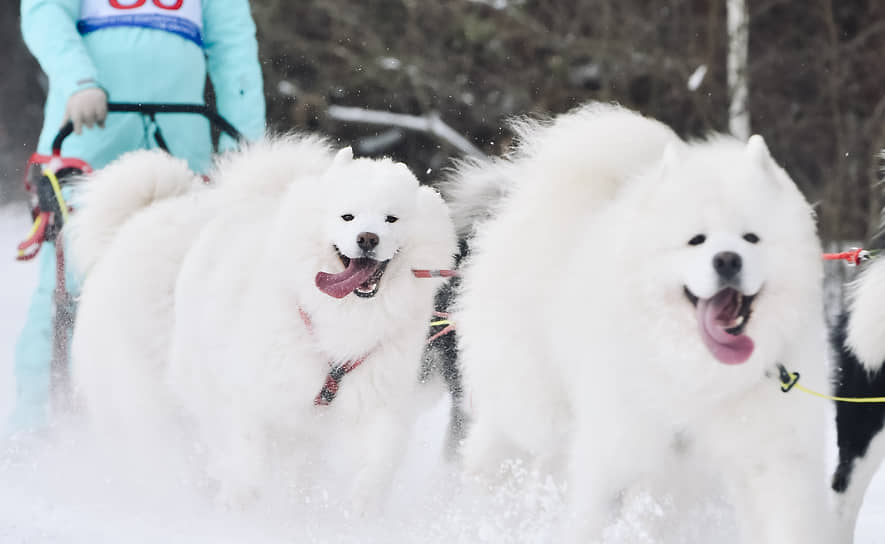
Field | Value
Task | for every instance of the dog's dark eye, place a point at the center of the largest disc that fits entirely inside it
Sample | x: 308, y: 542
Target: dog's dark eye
x: 347, y: 217
x: 697, y: 240
x: 391, y: 219
x: 752, y: 238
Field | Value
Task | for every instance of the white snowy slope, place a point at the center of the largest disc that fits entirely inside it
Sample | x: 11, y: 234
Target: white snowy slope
x: 60, y: 492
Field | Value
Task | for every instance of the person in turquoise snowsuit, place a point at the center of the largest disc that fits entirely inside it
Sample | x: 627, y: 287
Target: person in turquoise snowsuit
x: 95, y: 51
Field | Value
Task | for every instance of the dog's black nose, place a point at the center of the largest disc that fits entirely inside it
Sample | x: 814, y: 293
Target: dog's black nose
x: 727, y: 264
x: 367, y: 241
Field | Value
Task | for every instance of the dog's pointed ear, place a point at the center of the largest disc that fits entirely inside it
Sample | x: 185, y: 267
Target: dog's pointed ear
x: 406, y: 173
x: 343, y: 155
x: 670, y: 157
x: 758, y: 150
x: 404, y: 168
x: 761, y: 156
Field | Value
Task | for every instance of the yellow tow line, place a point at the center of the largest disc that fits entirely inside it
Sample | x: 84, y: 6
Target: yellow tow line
x: 790, y: 380
x: 56, y: 188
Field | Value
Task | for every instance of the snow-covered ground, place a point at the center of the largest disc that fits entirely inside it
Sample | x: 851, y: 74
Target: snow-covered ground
x: 63, y: 492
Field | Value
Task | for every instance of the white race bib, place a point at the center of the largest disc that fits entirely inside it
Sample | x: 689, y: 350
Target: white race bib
x: 182, y: 17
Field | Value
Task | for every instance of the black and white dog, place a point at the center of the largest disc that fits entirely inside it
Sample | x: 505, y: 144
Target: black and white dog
x: 469, y: 205
x: 441, y: 356
x: 859, y: 342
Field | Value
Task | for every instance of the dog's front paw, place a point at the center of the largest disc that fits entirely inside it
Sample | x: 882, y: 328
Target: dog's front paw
x: 367, y: 494
x: 365, y: 505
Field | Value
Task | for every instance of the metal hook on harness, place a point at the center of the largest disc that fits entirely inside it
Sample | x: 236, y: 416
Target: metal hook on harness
x: 788, y: 380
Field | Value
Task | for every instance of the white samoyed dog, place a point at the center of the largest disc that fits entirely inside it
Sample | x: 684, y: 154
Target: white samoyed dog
x: 276, y: 308
x: 135, y: 221
x: 627, y: 302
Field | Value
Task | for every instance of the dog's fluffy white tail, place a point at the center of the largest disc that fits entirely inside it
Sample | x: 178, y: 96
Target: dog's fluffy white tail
x: 588, y: 153
x: 474, y: 194
x: 267, y: 166
x: 105, y: 200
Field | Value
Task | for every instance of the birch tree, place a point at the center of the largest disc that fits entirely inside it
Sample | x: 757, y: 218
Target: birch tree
x: 738, y: 34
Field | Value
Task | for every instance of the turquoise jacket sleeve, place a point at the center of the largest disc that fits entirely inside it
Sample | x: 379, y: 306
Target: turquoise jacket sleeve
x: 49, y: 28
x: 232, y: 56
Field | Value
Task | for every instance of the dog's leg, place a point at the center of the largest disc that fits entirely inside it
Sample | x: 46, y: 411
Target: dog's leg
x: 771, y: 449
x: 440, y: 359
x: 486, y: 450
x: 382, y: 441
x: 601, y: 467
x: 783, y: 500
x: 851, y: 480
x: 237, y: 460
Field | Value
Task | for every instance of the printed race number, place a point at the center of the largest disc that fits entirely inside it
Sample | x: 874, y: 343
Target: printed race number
x: 181, y: 17
x: 171, y: 5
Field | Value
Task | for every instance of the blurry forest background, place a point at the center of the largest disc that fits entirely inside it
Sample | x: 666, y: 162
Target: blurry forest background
x: 816, y: 78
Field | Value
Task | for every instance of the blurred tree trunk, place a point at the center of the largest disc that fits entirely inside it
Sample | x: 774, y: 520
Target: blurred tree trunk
x: 738, y: 42
x: 21, y: 106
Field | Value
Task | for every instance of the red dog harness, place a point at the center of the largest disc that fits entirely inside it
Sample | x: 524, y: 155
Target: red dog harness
x: 336, y: 372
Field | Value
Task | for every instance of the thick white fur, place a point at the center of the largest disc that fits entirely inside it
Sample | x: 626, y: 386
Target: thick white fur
x: 867, y: 313
x: 533, y: 232
x: 195, y: 305
x: 110, y: 197
x: 135, y: 221
x: 248, y: 368
x: 598, y: 364
x: 473, y: 203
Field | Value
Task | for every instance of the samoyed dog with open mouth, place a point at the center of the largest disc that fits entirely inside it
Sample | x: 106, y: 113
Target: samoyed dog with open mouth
x: 275, y: 312
x: 309, y: 323
x: 651, y: 288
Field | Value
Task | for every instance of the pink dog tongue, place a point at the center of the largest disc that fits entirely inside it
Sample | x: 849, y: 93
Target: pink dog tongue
x: 727, y: 348
x: 343, y: 283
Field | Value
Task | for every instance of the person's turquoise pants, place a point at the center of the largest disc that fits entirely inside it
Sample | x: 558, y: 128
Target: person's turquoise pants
x: 33, y: 350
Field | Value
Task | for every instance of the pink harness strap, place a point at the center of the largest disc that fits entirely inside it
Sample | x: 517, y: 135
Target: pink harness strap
x: 336, y: 372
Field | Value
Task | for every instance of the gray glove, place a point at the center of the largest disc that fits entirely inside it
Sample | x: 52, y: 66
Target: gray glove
x: 87, y: 108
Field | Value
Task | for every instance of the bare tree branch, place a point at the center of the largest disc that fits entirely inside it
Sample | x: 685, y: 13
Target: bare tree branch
x: 430, y: 123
